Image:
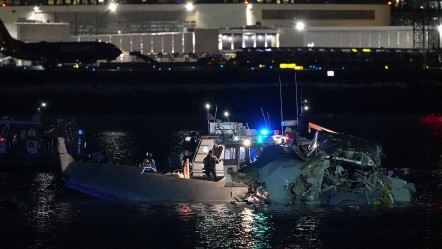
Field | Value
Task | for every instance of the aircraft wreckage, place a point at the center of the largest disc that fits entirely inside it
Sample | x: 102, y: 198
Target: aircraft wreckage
x: 330, y: 169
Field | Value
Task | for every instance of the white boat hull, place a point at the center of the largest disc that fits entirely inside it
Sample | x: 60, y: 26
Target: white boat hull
x: 119, y: 182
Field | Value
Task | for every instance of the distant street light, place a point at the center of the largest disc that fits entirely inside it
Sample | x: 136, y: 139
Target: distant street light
x: 189, y: 6
x: 113, y: 6
x: 300, y: 26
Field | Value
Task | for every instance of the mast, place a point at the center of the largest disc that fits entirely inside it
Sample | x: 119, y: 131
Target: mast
x: 280, y: 100
x: 296, y: 98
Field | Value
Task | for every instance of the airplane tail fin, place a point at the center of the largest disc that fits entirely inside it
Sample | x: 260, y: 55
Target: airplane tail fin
x: 6, y: 39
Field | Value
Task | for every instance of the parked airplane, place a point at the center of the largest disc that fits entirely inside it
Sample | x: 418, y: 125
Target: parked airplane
x: 52, y: 53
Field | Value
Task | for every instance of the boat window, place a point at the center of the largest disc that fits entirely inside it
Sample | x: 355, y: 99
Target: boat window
x: 230, y: 153
x: 252, y: 154
x: 242, y: 153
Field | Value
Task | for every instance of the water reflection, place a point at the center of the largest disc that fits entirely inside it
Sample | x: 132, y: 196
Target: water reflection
x: 46, y: 219
x: 243, y: 226
x: 257, y: 229
x: 41, y: 214
x: 119, y: 146
x: 43, y: 193
x: 306, y: 231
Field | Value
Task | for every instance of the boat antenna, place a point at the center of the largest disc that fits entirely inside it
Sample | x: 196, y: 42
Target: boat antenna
x: 296, y: 98
x: 268, y: 119
x: 248, y: 129
x: 280, y: 100
x: 264, y: 116
x: 216, y: 110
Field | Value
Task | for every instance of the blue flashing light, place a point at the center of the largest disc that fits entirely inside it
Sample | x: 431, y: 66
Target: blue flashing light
x: 93, y: 69
x: 25, y: 68
x: 118, y: 68
x: 80, y: 132
x: 259, y: 139
x: 170, y: 69
x: 264, y: 132
x: 271, y: 67
x: 221, y: 66
x: 193, y: 67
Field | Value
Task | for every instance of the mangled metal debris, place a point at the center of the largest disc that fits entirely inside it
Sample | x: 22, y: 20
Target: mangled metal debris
x: 332, y: 169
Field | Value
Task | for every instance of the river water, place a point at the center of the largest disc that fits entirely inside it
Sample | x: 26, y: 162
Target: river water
x: 47, y: 215
x: 39, y: 212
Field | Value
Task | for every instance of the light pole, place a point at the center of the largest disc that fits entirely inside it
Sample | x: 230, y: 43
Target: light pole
x: 208, y: 118
x: 113, y: 8
x: 226, y: 114
x: 36, y: 10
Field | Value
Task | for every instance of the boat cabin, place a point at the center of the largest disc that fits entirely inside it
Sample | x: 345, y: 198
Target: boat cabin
x: 234, y: 144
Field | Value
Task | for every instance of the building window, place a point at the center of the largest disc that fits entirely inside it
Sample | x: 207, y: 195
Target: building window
x: 319, y: 14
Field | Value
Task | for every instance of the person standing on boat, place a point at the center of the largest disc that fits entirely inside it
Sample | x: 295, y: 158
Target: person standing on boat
x: 209, y: 165
x: 149, y: 162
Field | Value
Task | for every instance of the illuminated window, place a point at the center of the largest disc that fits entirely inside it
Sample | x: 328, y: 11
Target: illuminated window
x: 242, y: 153
x: 230, y: 153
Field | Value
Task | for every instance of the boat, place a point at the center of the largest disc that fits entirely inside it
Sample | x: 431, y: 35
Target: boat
x: 131, y: 183
x: 230, y: 142
x: 26, y: 142
x: 254, y: 166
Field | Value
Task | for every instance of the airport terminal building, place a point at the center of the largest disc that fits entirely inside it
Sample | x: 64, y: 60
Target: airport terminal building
x: 183, y: 28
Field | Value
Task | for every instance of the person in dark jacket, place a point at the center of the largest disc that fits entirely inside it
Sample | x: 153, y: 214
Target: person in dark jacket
x: 209, y: 165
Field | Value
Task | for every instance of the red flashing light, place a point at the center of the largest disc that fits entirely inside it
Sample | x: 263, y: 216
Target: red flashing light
x: 2, y: 139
